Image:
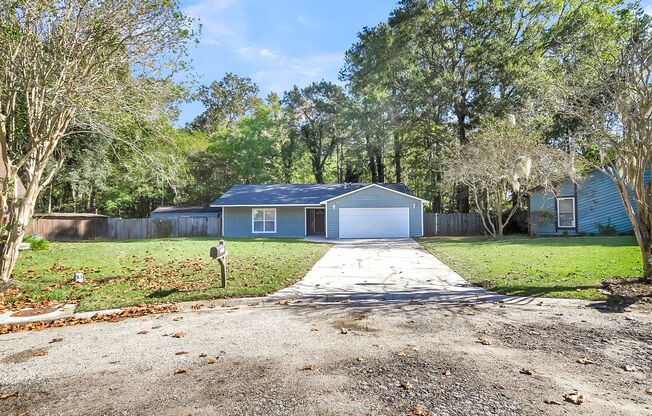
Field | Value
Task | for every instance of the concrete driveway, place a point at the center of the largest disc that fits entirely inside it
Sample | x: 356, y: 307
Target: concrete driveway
x: 389, y: 270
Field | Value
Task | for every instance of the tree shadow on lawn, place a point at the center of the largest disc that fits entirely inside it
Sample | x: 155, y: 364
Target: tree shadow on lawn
x: 571, y: 241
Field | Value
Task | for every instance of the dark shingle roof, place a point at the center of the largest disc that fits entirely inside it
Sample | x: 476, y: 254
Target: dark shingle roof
x: 293, y: 194
x: 184, y: 210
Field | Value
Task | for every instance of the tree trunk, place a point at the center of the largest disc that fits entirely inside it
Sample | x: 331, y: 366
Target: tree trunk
x: 380, y: 167
x: 317, y: 170
x: 647, y: 266
x: 372, y: 167
x: 398, y: 151
x: 462, y: 191
x: 499, y: 216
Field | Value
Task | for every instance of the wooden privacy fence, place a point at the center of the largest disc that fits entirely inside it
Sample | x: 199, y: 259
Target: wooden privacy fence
x: 69, y: 229
x: 436, y: 224
x: 124, y: 229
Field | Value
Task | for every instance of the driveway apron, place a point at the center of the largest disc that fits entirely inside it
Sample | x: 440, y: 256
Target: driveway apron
x: 390, y: 270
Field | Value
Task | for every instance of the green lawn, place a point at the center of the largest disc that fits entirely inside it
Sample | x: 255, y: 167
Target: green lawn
x: 547, y: 267
x: 151, y: 271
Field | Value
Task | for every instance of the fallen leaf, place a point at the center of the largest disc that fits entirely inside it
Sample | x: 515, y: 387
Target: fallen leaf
x: 406, y: 385
x: 446, y: 372
x: 484, y: 341
x: 40, y: 353
x: 197, y: 307
x: 401, y: 353
x: 415, y: 348
x: 630, y: 368
x: 4, y: 396
x: 585, y: 360
x: 156, y: 326
x: 178, y: 318
x: 649, y: 391
x: 344, y: 330
x: 179, y: 335
x: 211, y: 360
x: 180, y: 371
x: 181, y: 353
x: 574, y: 397
x: 418, y: 411
x: 307, y: 367
x: 56, y: 340
x: 499, y: 387
x: 314, y: 329
x: 526, y: 371
x: 202, y: 355
x: 550, y: 401
x: 411, y: 321
x: 142, y: 332
x: 360, y: 359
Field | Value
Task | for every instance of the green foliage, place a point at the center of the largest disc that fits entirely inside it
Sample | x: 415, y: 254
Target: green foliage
x: 607, y: 229
x: 37, y: 244
x: 163, y: 228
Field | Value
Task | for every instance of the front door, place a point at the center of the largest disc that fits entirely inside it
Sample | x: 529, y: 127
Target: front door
x: 315, y: 221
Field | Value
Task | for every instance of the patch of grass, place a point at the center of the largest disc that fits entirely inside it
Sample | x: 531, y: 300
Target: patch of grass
x: 126, y: 273
x: 546, y: 267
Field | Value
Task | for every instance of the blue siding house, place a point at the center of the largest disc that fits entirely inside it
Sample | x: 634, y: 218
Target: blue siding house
x: 350, y: 210
x: 590, y: 206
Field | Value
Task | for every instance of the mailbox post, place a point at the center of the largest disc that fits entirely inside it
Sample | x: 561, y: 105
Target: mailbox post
x: 218, y: 253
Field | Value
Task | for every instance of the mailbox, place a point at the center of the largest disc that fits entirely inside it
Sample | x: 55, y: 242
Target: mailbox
x: 218, y: 253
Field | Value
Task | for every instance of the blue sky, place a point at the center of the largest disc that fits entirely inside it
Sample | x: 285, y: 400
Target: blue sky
x: 278, y: 43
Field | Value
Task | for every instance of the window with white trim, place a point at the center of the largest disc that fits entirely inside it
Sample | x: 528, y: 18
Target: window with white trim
x: 566, y: 212
x: 263, y: 220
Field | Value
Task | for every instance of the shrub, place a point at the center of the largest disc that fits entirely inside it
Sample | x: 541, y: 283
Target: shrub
x: 37, y: 243
x: 163, y: 228
x: 607, y: 229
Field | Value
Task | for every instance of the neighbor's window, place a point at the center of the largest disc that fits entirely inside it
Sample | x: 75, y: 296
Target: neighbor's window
x: 263, y: 220
x: 566, y: 212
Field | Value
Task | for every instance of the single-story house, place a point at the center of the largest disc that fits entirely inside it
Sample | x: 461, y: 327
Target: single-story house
x: 590, y: 206
x: 348, y: 210
x: 174, y: 212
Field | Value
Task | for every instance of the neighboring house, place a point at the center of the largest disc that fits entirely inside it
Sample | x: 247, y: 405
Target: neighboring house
x: 590, y: 206
x: 172, y: 213
x: 329, y: 210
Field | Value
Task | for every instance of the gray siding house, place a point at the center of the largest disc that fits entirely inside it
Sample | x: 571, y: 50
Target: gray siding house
x: 590, y: 206
x: 333, y: 211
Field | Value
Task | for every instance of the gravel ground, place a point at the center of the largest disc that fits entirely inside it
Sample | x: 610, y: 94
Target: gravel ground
x: 394, y: 359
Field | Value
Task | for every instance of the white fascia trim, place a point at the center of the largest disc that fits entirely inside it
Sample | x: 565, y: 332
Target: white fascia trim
x: 422, y: 218
x: 266, y: 205
x: 377, y: 186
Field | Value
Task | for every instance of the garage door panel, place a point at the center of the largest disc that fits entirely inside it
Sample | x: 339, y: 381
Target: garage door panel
x: 374, y: 222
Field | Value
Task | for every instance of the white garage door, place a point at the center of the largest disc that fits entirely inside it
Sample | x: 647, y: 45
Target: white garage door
x: 374, y: 222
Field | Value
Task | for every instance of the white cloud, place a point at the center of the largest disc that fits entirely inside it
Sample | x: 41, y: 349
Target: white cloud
x: 287, y: 71
x: 266, y: 53
x: 648, y: 10
x: 307, y: 22
x: 222, y: 21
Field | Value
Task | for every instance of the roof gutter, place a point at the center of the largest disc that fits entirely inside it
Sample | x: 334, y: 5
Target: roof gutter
x: 265, y: 205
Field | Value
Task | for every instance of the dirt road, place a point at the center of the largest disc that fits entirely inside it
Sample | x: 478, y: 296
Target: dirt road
x: 339, y: 359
